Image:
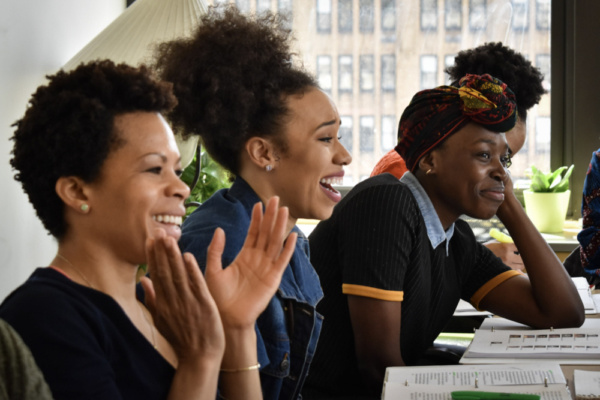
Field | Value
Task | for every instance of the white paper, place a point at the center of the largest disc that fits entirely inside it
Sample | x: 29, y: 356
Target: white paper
x: 587, y: 384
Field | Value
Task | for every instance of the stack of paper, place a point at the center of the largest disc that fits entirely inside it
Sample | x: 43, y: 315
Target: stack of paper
x: 438, y: 382
x: 503, y: 341
x: 587, y: 384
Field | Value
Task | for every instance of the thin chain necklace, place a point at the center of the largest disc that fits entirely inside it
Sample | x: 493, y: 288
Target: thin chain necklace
x: 144, y: 316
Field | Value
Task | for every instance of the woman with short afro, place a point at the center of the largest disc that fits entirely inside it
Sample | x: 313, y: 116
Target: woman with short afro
x: 266, y: 121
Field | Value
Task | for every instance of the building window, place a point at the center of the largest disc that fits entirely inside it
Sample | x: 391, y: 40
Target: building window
x: 367, y: 73
x: 324, y: 16
x: 345, y: 15
x: 453, y: 15
x: 448, y: 62
x: 286, y: 8
x: 428, y: 71
x: 345, y: 74
x: 542, y: 14
x: 429, y: 15
x: 388, y: 15
x: 346, y: 132
x: 542, y: 135
x: 367, y: 134
x: 366, y: 16
x: 477, y: 15
x: 324, y: 72
x: 263, y: 5
x: 520, y: 15
x: 388, y: 73
x: 542, y: 61
x: 243, y: 5
x: 389, y: 135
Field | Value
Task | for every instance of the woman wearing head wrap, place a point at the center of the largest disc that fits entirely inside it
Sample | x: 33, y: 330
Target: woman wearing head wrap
x: 394, y: 259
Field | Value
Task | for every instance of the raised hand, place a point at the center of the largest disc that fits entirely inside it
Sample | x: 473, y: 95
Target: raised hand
x: 180, y: 303
x: 243, y: 289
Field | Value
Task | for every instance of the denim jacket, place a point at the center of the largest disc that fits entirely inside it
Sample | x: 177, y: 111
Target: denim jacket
x: 288, y: 330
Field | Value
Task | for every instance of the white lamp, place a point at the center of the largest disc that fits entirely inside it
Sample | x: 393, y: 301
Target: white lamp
x: 132, y: 36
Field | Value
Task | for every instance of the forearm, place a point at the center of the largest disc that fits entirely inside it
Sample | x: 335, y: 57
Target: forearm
x: 196, y: 379
x: 552, y: 290
x: 240, y: 377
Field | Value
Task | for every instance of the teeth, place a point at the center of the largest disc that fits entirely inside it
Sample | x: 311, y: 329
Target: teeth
x: 332, y: 181
x: 168, y: 219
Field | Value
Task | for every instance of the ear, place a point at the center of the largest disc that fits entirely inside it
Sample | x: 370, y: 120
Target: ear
x: 72, y: 191
x: 261, y: 152
x: 427, y: 162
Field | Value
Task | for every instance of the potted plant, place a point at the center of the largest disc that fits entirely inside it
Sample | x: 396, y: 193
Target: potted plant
x: 547, y: 199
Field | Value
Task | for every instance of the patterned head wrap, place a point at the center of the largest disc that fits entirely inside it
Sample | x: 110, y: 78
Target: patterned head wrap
x: 589, y: 237
x: 435, y: 114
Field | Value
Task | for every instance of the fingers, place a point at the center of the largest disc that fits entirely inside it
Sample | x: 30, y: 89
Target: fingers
x: 278, y: 233
x: 215, y: 251
x: 266, y: 227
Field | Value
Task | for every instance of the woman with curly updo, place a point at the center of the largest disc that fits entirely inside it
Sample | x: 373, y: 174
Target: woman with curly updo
x: 267, y: 122
x: 101, y: 168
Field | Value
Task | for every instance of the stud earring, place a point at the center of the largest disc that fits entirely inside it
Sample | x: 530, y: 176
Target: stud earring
x: 269, y: 168
x: 428, y: 171
x: 84, y: 207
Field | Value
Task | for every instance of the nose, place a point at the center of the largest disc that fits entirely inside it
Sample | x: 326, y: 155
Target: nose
x: 498, y: 172
x: 178, y: 188
x: 342, y: 156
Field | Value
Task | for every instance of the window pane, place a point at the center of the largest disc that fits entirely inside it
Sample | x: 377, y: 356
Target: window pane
x: 388, y: 73
x: 367, y: 134
x: 428, y: 71
x: 388, y: 15
x: 345, y: 74
x: 346, y: 132
x: 286, y: 8
x: 389, y: 134
x: 429, y: 15
x: 263, y: 5
x: 243, y: 5
x: 520, y: 15
x: 367, y: 73
x: 345, y: 15
x: 542, y: 14
x: 477, y: 15
x: 324, y: 72
x: 542, y: 61
x: 367, y: 16
x: 453, y: 17
x: 324, y: 16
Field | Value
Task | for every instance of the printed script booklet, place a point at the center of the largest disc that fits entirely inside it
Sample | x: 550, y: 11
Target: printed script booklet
x: 438, y: 382
x: 503, y: 341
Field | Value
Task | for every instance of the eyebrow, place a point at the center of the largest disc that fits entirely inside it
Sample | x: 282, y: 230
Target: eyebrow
x: 327, y: 123
x: 161, y: 155
x: 493, y: 142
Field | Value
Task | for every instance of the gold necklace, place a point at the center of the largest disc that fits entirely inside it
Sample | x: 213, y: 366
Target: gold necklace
x: 144, y: 316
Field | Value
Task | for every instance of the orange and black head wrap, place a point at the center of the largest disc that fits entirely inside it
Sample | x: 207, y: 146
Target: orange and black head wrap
x: 435, y: 114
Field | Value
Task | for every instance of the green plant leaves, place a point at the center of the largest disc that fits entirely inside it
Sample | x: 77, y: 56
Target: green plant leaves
x: 553, y: 182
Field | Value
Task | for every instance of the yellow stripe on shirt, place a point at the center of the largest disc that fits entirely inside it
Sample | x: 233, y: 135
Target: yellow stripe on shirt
x: 365, y: 291
x: 491, y: 284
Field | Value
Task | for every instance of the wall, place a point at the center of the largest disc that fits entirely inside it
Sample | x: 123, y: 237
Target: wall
x: 36, y: 38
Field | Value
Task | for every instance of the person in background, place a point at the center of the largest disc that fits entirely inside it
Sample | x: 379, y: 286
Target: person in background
x: 266, y: 121
x: 588, y: 253
x: 395, y: 258
x: 20, y: 377
x: 522, y: 78
x: 101, y: 168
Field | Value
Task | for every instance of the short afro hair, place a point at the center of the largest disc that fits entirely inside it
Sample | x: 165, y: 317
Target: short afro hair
x: 231, y: 79
x: 503, y: 63
x: 68, y: 129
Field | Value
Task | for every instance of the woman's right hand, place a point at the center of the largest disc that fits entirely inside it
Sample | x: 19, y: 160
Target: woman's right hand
x: 243, y: 289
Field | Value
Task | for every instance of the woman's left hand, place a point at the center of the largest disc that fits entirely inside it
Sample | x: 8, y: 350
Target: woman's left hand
x: 243, y: 289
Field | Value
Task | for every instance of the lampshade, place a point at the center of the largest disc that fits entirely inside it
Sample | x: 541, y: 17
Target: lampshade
x: 132, y: 36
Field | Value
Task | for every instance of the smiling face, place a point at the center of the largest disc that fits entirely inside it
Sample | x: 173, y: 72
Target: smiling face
x: 468, y: 173
x: 139, y: 187
x: 313, y: 159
